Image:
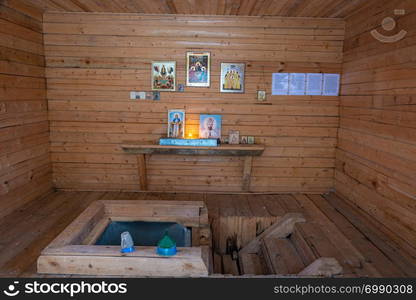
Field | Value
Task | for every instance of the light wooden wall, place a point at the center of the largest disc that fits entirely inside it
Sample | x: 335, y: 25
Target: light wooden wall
x: 376, y: 157
x: 95, y: 60
x: 25, y: 169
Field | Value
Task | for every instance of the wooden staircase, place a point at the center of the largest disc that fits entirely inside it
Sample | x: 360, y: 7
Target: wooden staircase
x: 290, y: 247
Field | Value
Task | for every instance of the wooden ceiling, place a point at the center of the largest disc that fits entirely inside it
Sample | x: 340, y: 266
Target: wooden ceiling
x: 284, y: 8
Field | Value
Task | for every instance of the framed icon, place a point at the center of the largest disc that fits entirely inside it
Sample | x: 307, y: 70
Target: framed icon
x: 234, y: 137
x: 232, y: 78
x: 176, y: 123
x: 163, y: 75
x: 198, y: 69
x: 210, y: 126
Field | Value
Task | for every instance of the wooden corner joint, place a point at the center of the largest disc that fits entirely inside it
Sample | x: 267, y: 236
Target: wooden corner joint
x: 281, y: 229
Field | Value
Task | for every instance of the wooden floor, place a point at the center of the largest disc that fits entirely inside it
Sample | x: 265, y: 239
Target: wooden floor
x: 356, y: 241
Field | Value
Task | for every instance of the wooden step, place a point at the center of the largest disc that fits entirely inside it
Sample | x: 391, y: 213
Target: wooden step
x: 374, y: 232
x: 281, y: 256
x: 251, y: 264
x: 302, y: 247
x: 319, y: 244
x: 281, y: 229
x: 349, y: 256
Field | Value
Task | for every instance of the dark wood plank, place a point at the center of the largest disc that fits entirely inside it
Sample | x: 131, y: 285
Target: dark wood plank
x: 222, y: 150
x: 141, y: 164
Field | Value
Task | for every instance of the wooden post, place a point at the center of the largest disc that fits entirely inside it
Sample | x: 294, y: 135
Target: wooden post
x: 141, y: 164
x: 248, y: 162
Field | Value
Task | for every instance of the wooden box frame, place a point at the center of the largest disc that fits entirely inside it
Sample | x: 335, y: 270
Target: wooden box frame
x: 74, y: 252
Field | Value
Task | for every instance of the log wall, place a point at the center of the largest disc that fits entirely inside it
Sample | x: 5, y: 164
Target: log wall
x: 25, y: 169
x: 95, y: 60
x: 376, y: 156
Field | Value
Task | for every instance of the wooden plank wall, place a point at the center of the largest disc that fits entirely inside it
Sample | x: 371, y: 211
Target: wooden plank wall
x: 25, y: 169
x: 376, y: 157
x: 95, y: 60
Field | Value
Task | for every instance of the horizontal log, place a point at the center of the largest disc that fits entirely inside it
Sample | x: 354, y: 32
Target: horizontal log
x: 185, y: 20
x: 206, y: 108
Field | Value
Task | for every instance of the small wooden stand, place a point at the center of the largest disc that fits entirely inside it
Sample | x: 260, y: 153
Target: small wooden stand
x: 248, y: 151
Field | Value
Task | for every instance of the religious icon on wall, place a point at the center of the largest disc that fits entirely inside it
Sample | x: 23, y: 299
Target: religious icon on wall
x: 163, y: 75
x: 234, y: 137
x: 197, y: 69
x: 261, y: 95
x: 209, y: 126
x: 232, y: 78
x: 176, y: 123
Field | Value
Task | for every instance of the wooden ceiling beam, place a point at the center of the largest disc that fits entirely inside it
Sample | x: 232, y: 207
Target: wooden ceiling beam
x: 120, y: 7
x: 283, y: 8
x: 67, y: 5
x: 286, y: 7
x: 212, y: 7
x: 263, y: 10
x: 296, y: 8
x: 275, y: 8
x: 47, y: 5
x: 257, y: 7
x: 311, y: 8
x: 25, y: 6
x: 82, y: 5
x: 221, y: 4
x: 172, y: 6
x: 355, y: 6
x: 197, y: 6
x: 144, y: 6
x: 228, y: 7
x: 94, y: 6
x: 246, y: 7
x: 182, y: 7
x: 133, y: 6
x: 114, y: 6
x: 324, y: 10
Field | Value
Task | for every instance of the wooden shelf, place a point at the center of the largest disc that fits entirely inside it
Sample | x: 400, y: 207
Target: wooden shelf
x: 248, y: 151
x: 222, y: 150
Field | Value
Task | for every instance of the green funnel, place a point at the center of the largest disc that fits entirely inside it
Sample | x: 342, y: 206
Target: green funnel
x: 166, y: 242
x: 166, y: 246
